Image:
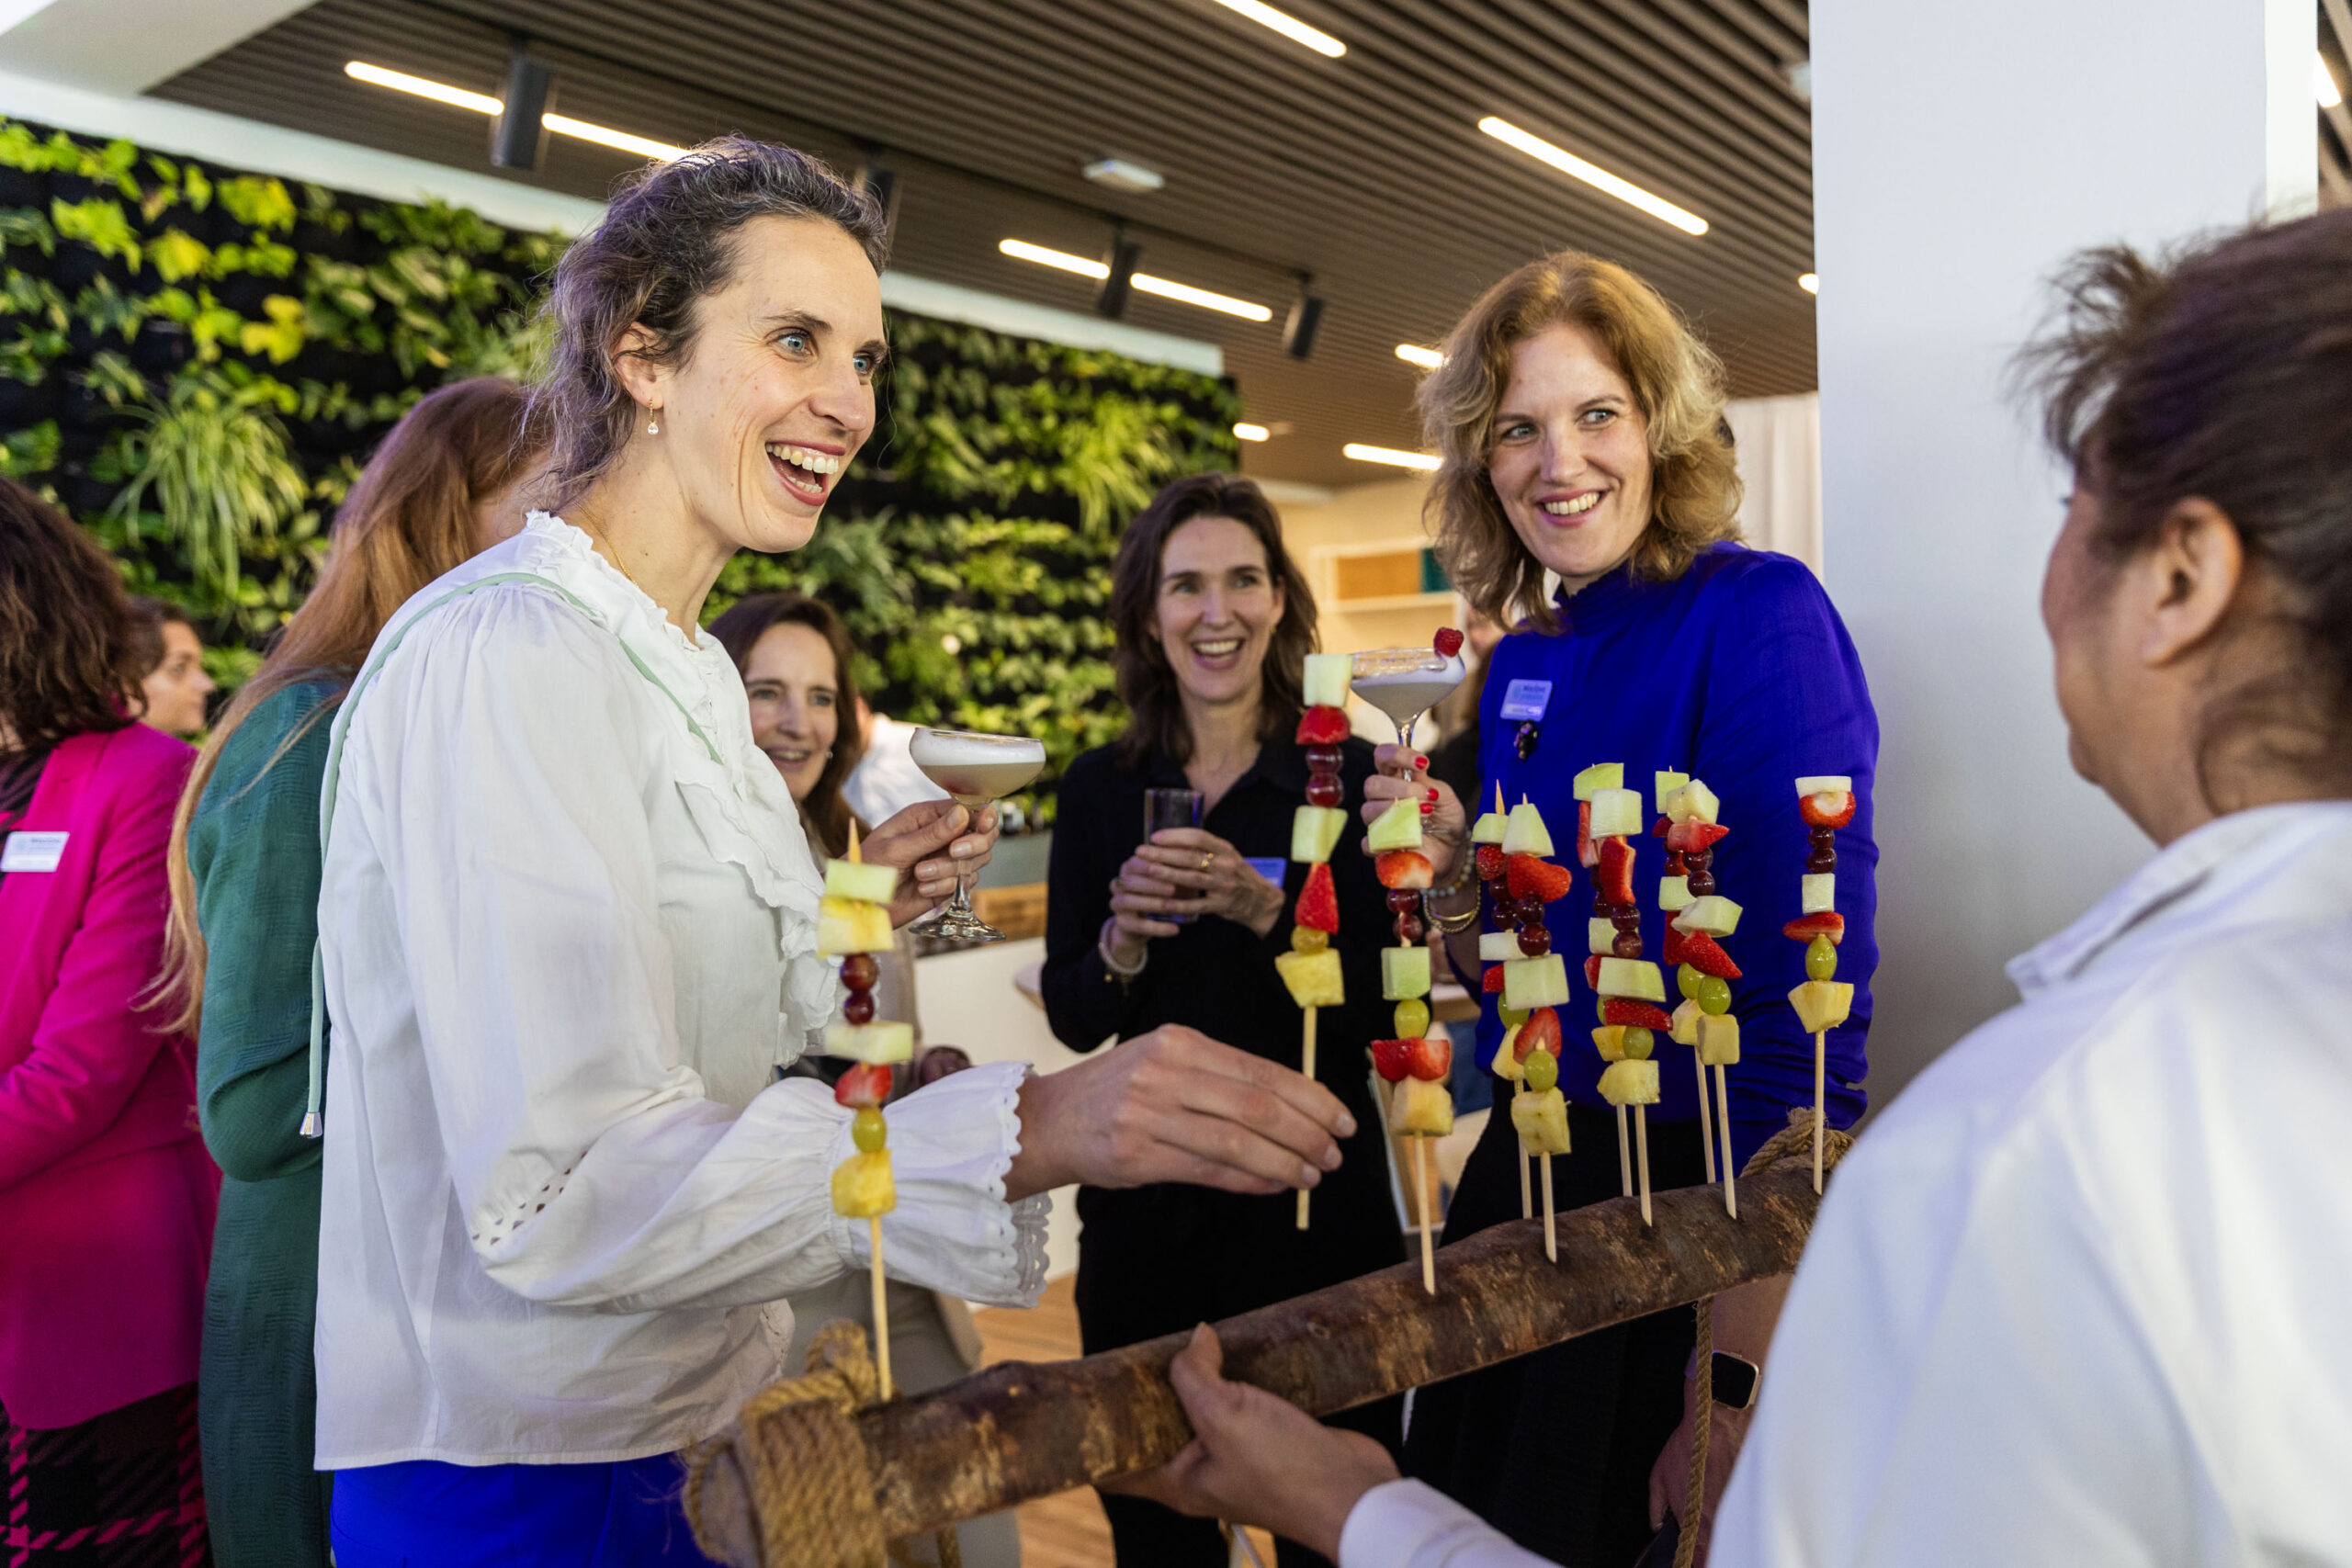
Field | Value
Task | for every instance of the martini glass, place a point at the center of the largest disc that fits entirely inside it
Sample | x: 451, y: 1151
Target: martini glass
x: 1406, y: 682
x: 975, y: 771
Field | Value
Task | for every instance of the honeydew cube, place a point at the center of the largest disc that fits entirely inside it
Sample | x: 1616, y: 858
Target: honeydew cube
x: 1532, y: 982
x: 1629, y: 1083
x: 1506, y: 1064
x: 1673, y: 893
x: 1524, y: 833
x: 1398, y: 828
x: 1404, y: 973
x: 1822, y: 1004
x: 1694, y: 802
x: 1818, y: 894
x: 1488, y: 830
x: 849, y: 925
x: 1711, y: 916
x: 881, y: 1040
x: 1616, y: 813
x: 1541, y: 1122
x: 1668, y: 783
x: 1635, y: 977
x: 1422, y: 1108
x: 1328, y: 674
x: 863, y: 1186
x: 1825, y: 783
x: 1314, y: 832
x: 1686, y: 1023
x: 1313, y: 978
x: 860, y: 883
x: 1609, y: 1039
x: 1497, y: 947
x: 1600, y: 935
x: 1718, y: 1040
x: 1598, y: 777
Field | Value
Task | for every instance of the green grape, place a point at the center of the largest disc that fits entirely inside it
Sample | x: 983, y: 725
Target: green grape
x: 1542, y: 1069
x: 868, y: 1131
x: 1687, y: 980
x: 1638, y: 1041
x: 1412, y: 1019
x: 1600, y: 1008
x: 1820, y: 959
x: 1715, y: 994
x: 1511, y: 1017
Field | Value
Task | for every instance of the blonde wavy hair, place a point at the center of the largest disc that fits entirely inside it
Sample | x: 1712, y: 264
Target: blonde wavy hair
x: 1677, y: 381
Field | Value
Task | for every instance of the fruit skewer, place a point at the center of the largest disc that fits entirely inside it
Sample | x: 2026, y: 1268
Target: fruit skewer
x: 1535, y: 983
x: 1825, y: 801
x: 853, y: 924
x: 1699, y: 920
x: 1674, y: 895
x: 1422, y: 1108
x: 1631, y: 988
x: 1487, y: 846
x: 1311, y: 968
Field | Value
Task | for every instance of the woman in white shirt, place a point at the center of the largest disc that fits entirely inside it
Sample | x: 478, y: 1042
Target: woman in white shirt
x: 2079, y: 1295
x: 568, y: 933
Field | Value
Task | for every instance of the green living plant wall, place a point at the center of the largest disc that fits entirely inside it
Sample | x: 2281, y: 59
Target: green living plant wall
x: 196, y: 362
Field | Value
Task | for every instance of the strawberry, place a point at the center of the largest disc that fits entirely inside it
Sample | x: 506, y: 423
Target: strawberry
x: 1323, y: 726
x: 1586, y: 856
x: 1832, y: 809
x: 1491, y: 862
x: 1401, y: 868
x: 1645, y: 1015
x: 1318, y: 901
x: 864, y: 1086
x: 1704, y: 955
x: 1688, y: 837
x: 1592, y: 971
x: 1804, y: 928
x: 1431, y: 1057
x: 1614, y: 878
x: 1659, y: 828
x: 1493, y: 983
x: 1448, y: 642
x: 1542, y: 1029
x: 1533, y: 877
x: 1392, y: 1058
x: 1678, y: 947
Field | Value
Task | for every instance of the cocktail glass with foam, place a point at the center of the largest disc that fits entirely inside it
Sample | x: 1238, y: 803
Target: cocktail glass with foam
x: 1406, y: 682
x: 975, y: 771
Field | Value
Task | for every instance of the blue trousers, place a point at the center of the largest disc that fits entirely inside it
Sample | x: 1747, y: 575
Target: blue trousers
x: 428, y: 1515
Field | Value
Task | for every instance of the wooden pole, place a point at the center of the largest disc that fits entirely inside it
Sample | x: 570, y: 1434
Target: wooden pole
x: 1307, y: 1069
x: 1820, y: 1101
x: 881, y: 1309
x: 1731, y: 1182
x: 1624, y: 1156
x: 1706, y: 1119
x: 1642, y: 1150
x: 1551, y: 1229
x: 1421, y: 1183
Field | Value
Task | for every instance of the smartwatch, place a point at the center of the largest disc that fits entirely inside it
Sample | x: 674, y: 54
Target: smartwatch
x: 1736, y: 1379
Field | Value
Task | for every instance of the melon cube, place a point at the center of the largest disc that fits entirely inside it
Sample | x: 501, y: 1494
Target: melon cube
x: 1398, y: 828
x: 1616, y: 814
x: 1635, y: 977
x: 1712, y: 916
x: 1822, y: 1004
x: 1328, y: 674
x: 1673, y: 893
x: 1600, y: 935
x: 862, y: 1186
x: 859, y: 882
x: 1497, y: 947
x: 1825, y: 783
x: 1422, y: 1108
x: 1818, y: 894
x: 1694, y: 802
x: 1686, y: 1023
x: 1506, y: 1062
x: 1541, y: 1122
x: 1629, y: 1083
x: 1718, y: 1040
x: 1313, y: 978
x: 1488, y: 830
x: 1668, y: 783
x: 846, y: 926
x: 1609, y: 1039
x: 1314, y: 832
x: 1532, y: 982
x: 1598, y: 777
x: 1524, y: 833
x: 881, y: 1040
x: 1404, y: 973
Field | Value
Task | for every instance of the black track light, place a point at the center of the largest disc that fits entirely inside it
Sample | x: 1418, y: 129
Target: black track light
x: 1111, y: 301
x: 879, y: 181
x: 518, y: 137
x: 1305, y: 320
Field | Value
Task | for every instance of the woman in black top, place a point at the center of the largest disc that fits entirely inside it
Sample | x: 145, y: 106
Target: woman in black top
x: 1214, y: 625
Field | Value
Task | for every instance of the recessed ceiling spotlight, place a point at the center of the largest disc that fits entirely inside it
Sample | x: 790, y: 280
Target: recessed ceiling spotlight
x: 1290, y: 27
x: 1142, y: 282
x: 1414, y: 353
x: 1593, y: 175
x: 1251, y: 432
x: 1124, y: 174
x: 1809, y: 282
x: 1390, y: 455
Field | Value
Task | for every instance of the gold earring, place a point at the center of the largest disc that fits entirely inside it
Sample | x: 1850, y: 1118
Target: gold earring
x: 653, y: 426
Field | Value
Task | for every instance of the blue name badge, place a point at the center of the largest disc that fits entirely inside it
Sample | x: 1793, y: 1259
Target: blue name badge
x: 1525, y: 699
x: 1271, y: 867
x: 32, y: 851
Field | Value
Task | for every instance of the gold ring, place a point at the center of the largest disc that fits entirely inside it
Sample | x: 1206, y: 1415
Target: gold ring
x: 1208, y: 859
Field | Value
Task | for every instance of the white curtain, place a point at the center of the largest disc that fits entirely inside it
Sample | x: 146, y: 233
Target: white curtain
x: 1778, y: 442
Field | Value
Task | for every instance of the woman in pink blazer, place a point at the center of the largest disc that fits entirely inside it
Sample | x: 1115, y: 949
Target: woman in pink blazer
x: 106, y: 1195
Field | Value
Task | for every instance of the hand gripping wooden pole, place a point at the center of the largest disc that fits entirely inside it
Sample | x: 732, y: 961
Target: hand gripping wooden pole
x: 1020, y: 1430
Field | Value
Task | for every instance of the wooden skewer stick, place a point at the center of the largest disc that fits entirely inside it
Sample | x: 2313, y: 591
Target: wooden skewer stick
x: 1731, y: 1189
x: 1820, y: 1099
x: 1706, y: 1119
x: 1526, y: 1162
x: 1421, y: 1201
x: 1642, y: 1153
x: 881, y: 1309
x: 1306, y: 1068
x: 1551, y: 1230
x: 1624, y: 1156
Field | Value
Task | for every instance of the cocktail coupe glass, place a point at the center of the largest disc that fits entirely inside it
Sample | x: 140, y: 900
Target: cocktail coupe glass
x: 976, y: 771
x: 1406, y: 682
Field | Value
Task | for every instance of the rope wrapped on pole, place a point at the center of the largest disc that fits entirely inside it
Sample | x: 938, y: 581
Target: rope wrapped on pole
x: 1021, y: 1430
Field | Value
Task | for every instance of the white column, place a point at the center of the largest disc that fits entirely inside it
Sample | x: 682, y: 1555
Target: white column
x: 1961, y: 153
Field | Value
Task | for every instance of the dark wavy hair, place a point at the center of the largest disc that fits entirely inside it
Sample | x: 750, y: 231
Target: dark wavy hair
x: 1147, y: 685
x: 740, y: 629
x: 68, y: 658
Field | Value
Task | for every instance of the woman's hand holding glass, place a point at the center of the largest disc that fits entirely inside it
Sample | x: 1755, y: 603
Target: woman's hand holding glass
x: 1190, y: 872
x: 1445, y: 824
x: 930, y: 843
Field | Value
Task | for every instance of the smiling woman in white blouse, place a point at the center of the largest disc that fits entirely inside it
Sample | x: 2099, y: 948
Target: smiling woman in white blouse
x: 568, y: 932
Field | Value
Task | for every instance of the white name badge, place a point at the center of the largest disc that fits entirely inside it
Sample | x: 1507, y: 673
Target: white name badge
x: 1271, y: 867
x: 1526, y: 699
x: 32, y: 851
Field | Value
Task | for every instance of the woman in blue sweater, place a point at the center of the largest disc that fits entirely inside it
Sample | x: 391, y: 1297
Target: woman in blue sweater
x: 1580, y: 425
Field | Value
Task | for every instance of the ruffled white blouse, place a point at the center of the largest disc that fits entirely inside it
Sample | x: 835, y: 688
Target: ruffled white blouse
x: 568, y: 924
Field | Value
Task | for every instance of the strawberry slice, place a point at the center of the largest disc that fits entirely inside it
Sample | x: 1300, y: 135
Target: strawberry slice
x: 1392, y: 1059
x: 1592, y: 971
x: 864, y: 1086
x: 1703, y: 953
x: 1659, y: 828
x: 1492, y: 985
x: 1586, y: 856
x: 1431, y: 1056
x: 1448, y: 642
x: 1614, y: 878
x: 1831, y: 808
x: 1491, y: 862
x: 1678, y: 947
x: 1621, y: 1010
x: 1533, y: 877
x: 1318, y: 901
x: 1323, y: 726
x: 1804, y: 928
x: 1542, y: 1029
x: 1688, y: 838
x: 1401, y: 868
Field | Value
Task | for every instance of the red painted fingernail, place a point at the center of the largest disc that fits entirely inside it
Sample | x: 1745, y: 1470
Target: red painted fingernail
x: 1428, y: 810
x: 1421, y: 761
x: 1433, y: 794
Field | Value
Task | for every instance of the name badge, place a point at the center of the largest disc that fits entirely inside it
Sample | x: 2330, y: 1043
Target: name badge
x: 1271, y: 867
x: 1526, y: 699
x: 32, y: 851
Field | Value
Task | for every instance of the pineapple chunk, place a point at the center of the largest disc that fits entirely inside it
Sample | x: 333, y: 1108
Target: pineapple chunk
x: 1673, y: 893
x: 1718, y: 1040
x: 1694, y: 802
x: 846, y: 926
x: 1598, y: 777
x: 1398, y: 828
x: 1686, y: 1023
x: 1314, y: 832
x: 1327, y: 678
x: 863, y: 1186
x: 1635, y: 977
x: 1668, y: 783
x: 860, y: 882
x: 1600, y: 935
x: 1825, y: 783
x: 1313, y: 978
x: 1506, y: 1062
x: 1524, y: 833
x: 1404, y: 973
x: 1712, y: 916
x: 1818, y: 893
x: 1532, y: 982
x: 881, y: 1040
x: 1822, y: 1004
x: 1541, y: 1122
x: 1609, y: 1039
x: 1422, y: 1108
x: 1629, y: 1083
x: 1616, y: 814
x: 1488, y: 830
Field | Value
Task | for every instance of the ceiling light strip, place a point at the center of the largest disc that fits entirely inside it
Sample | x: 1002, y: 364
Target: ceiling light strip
x: 564, y: 125
x: 1809, y: 282
x: 1290, y: 27
x: 1414, y: 353
x: 2323, y: 82
x: 1593, y: 175
x: 482, y: 103
x: 1251, y: 432
x: 1390, y: 455
x: 1143, y: 283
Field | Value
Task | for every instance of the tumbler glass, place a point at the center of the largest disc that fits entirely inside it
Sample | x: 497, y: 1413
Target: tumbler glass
x: 1170, y: 809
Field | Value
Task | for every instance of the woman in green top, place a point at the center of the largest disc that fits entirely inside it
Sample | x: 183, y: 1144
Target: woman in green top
x: 244, y: 866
